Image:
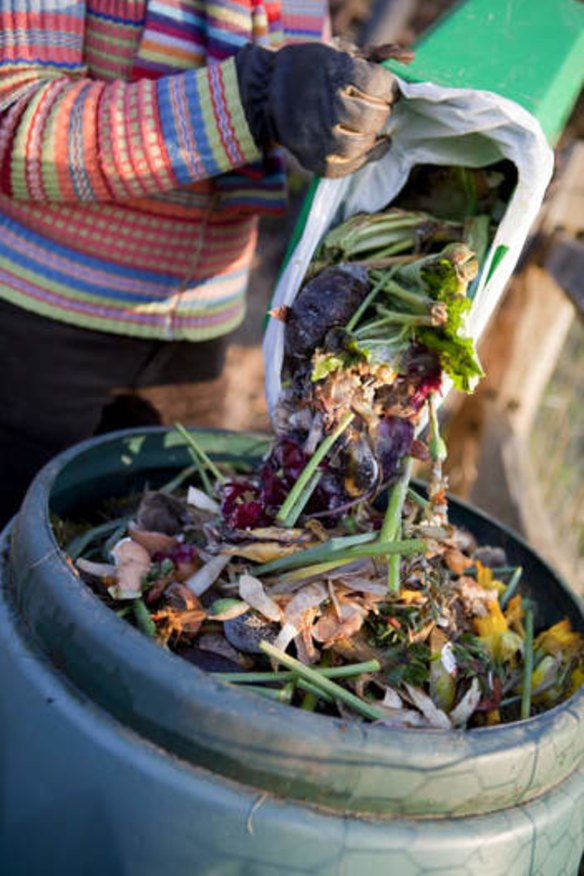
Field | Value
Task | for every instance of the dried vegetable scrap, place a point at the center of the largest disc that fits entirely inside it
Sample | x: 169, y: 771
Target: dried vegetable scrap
x: 295, y: 578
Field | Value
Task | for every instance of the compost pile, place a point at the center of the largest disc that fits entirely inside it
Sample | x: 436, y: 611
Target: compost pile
x: 320, y: 577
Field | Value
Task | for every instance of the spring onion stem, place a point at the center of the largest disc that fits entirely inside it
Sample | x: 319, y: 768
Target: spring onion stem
x: 367, y: 301
x: 527, y: 665
x: 181, y: 477
x: 78, y: 545
x: 303, y: 498
x: 391, y: 526
x: 415, y: 497
x: 348, y: 671
x: 377, y: 549
x: 392, y: 520
x: 511, y: 587
x: 325, y: 684
x: 310, y: 467
x: 280, y: 694
x: 321, y: 552
x: 195, y: 446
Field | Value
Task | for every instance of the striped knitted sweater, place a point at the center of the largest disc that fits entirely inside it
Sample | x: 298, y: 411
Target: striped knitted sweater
x: 129, y: 182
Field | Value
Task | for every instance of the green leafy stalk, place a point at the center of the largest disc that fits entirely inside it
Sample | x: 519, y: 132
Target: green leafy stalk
x: 319, y: 454
x: 368, y: 300
x: 419, y: 500
x: 80, y: 543
x: 412, y: 298
x: 199, y: 452
x: 380, y: 235
x: 143, y: 618
x: 511, y: 587
x: 315, y: 570
x: 398, y: 317
x: 447, y: 273
x: 340, y: 557
x: 309, y: 702
x: 394, y: 574
x: 365, y: 232
x: 280, y: 694
x: 392, y: 520
x: 313, y: 690
x: 477, y: 236
x: 527, y: 664
x: 303, y: 498
x: 324, y: 684
x: 178, y: 480
x: 391, y: 526
x: 347, y: 671
x: 321, y: 552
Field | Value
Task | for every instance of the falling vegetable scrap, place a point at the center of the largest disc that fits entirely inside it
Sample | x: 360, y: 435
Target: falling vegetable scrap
x: 295, y: 580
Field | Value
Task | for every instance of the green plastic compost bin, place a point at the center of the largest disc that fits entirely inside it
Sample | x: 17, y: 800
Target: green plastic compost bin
x: 121, y: 759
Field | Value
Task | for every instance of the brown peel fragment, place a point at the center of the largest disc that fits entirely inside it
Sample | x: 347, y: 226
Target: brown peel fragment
x: 305, y: 648
x: 153, y: 542
x: 456, y: 561
x: 330, y: 628
x: 184, y: 614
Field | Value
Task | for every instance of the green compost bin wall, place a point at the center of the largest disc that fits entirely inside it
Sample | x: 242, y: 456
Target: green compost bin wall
x: 120, y: 758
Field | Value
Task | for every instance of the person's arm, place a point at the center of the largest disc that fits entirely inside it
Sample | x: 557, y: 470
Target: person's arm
x: 65, y: 137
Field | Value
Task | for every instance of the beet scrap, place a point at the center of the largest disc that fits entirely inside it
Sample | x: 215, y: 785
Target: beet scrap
x: 328, y: 300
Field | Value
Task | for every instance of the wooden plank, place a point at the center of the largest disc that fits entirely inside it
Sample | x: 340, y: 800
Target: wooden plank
x: 565, y: 263
x: 564, y: 211
x: 507, y: 487
x: 532, y: 344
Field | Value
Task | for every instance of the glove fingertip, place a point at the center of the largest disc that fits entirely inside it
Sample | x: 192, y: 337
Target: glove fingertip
x: 381, y: 148
x: 337, y: 167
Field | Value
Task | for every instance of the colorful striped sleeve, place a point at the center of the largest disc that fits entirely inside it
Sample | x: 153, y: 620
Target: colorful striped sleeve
x: 65, y: 137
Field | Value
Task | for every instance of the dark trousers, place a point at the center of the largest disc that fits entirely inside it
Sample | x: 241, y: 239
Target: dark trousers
x: 60, y: 384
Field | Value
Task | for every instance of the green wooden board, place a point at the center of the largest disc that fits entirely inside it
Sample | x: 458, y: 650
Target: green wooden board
x: 531, y: 51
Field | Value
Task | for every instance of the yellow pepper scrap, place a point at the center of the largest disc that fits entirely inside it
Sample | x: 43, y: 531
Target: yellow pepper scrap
x: 411, y: 596
x: 560, y: 637
x: 494, y: 623
x: 493, y: 630
x: 485, y: 579
x: 515, y: 613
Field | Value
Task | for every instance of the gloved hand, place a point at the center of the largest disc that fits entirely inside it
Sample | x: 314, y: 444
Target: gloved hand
x: 328, y: 108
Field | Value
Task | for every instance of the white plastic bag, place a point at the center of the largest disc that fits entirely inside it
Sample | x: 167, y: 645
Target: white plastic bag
x: 432, y: 125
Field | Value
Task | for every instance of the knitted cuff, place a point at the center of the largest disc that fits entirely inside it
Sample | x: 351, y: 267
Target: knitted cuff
x: 254, y: 65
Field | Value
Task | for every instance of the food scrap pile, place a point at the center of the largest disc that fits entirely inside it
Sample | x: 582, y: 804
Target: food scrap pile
x: 320, y: 577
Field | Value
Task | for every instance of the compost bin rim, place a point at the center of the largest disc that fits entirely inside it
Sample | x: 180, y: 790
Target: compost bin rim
x: 75, y: 619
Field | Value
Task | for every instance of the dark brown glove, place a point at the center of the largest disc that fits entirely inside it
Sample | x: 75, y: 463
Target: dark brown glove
x: 327, y: 107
